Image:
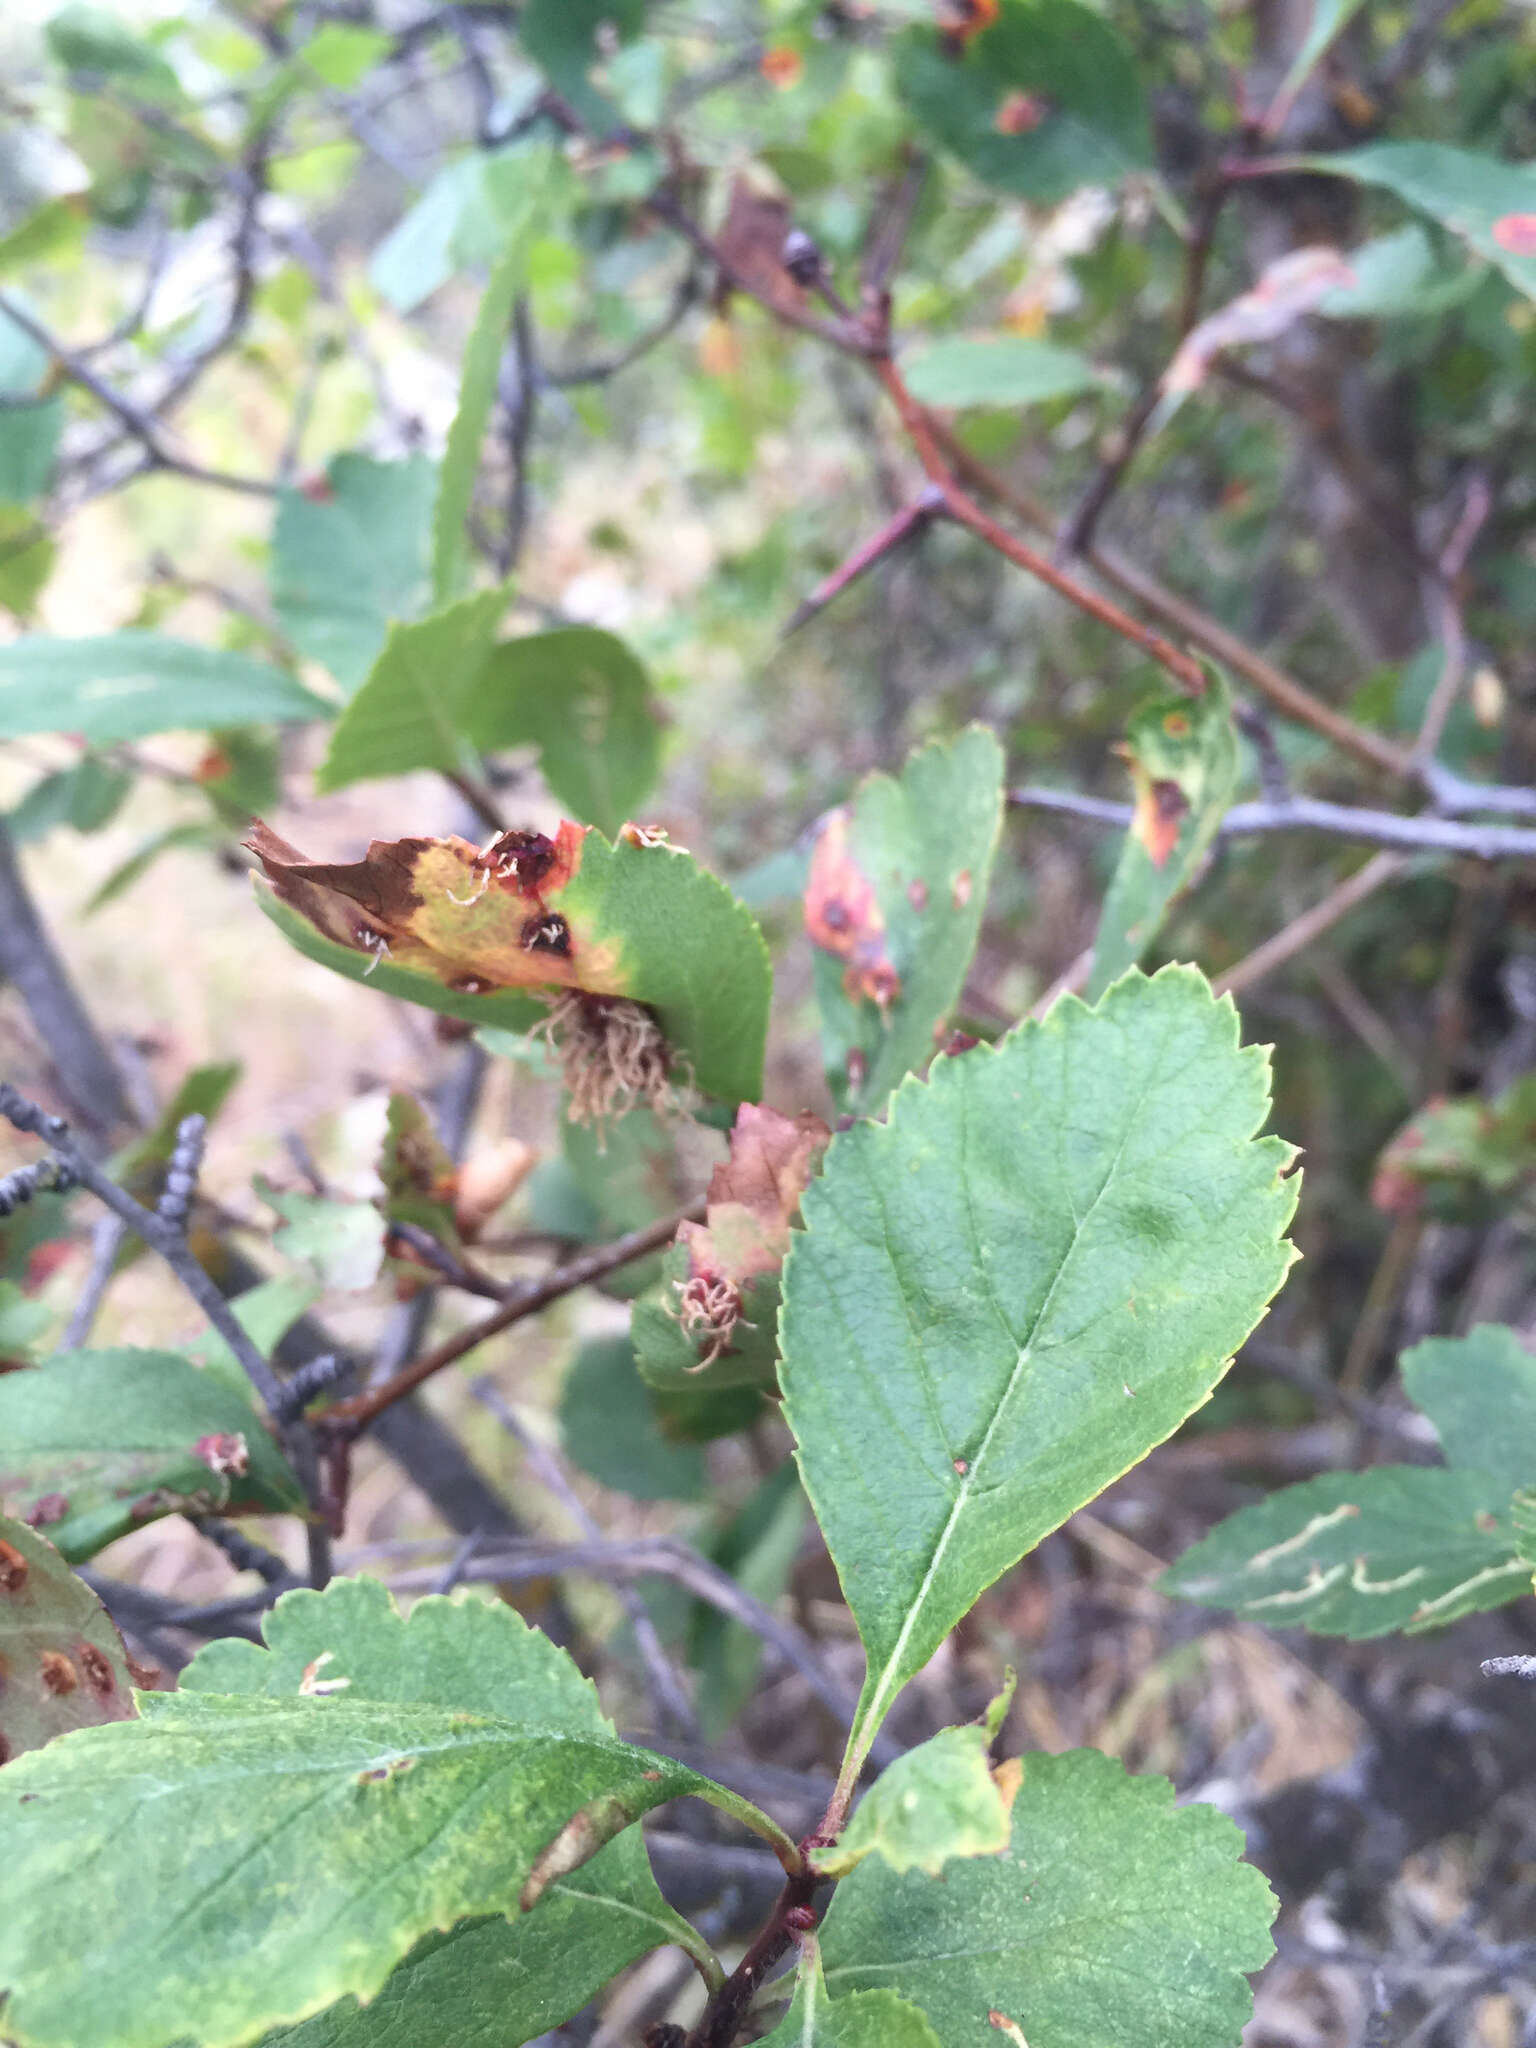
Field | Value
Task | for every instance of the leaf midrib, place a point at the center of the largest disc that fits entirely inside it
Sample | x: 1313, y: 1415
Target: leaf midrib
x: 886, y: 1685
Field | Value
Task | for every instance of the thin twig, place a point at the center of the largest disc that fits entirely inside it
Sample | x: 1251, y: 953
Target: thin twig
x: 141, y: 425
x: 360, y: 1410
x: 904, y: 526
x: 1444, y: 606
x: 1380, y: 869
x: 663, y: 1557
x: 1421, y: 834
x: 960, y: 506
x: 106, y: 1242
x: 669, y: 1696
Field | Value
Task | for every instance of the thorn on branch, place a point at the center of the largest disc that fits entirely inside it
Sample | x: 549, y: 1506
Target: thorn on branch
x: 314, y: 1377
x: 175, y: 1201
x: 48, y: 1177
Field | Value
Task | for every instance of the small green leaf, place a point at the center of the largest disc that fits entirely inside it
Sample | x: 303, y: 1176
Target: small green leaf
x: 29, y: 446
x: 1042, y: 1262
x: 1400, y: 274
x: 343, y: 54
x: 343, y: 1241
x: 1115, y: 1920
x: 462, y: 218
x: 44, y: 233
x: 1013, y: 370
x: 1045, y: 99
x: 409, y: 712
x: 611, y: 1429
x: 123, y: 686
x: 1183, y: 755
x: 938, y: 1801
x: 1480, y: 1393
x: 27, y: 555
x: 1488, y: 204
x: 350, y: 558
x: 579, y: 695
x: 1360, y: 1553
x: 104, y: 1441
x: 409, y: 1772
x: 85, y: 798
x: 62, y: 1661
x: 867, y: 2019
x: 893, y: 905
x: 477, y: 389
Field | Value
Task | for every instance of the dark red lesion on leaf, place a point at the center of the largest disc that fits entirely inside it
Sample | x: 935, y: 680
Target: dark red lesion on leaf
x: 46, y: 1509
x: 547, y: 933
x: 13, y: 1569
x: 99, y: 1675
x: 59, y: 1675
x: 1161, y: 808
x: 843, y: 915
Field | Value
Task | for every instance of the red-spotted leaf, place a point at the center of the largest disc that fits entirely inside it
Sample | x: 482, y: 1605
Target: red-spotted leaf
x: 62, y: 1663
x: 649, y: 969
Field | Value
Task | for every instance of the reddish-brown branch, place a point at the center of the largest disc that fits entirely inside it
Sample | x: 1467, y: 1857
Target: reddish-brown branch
x: 963, y: 508
x: 357, y: 1412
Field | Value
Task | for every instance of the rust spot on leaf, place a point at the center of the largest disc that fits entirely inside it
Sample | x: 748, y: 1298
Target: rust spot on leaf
x: 1008, y: 2027
x: 1008, y: 1776
x: 843, y: 917
x: 226, y: 1453
x: 962, y: 1466
x: 960, y: 889
x: 311, y: 1684
x: 59, y: 1675
x: 917, y: 894
x: 13, y: 1569
x: 1515, y: 233
x: 48, y: 1508
x: 547, y: 933
x: 1161, y: 807
x: 1021, y: 113
x: 959, y: 20
x: 98, y: 1671
x: 782, y: 66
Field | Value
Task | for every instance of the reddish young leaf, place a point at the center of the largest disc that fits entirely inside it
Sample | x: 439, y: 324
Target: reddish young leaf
x: 754, y: 1196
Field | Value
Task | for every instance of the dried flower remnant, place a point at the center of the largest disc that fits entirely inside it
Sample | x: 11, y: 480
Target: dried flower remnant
x: 613, y: 1056
x: 754, y: 1198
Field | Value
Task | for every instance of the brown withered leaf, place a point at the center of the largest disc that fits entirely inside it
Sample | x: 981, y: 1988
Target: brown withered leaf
x: 472, y: 920
x: 843, y: 916
x: 754, y: 1196
x: 757, y: 224
x: 1288, y: 288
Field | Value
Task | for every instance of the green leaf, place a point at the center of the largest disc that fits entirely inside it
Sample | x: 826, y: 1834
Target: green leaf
x: 1039, y: 1266
x: 1360, y: 1553
x: 343, y: 1241
x: 407, y: 1773
x: 343, y: 54
x: 63, y: 1661
x: 563, y: 37
x: 671, y: 1356
x: 123, y: 686
x: 27, y: 555
x: 477, y: 391
x: 579, y: 695
x: 1330, y: 18
x: 867, y: 2019
x: 1480, y: 1393
x: 409, y: 712
x: 462, y: 218
x: 1400, y: 274
x: 29, y: 446
x: 348, y: 561
x: 1013, y: 370
x: 85, y: 798
x: 611, y: 1429
x: 91, y: 41
x: 1488, y: 204
x: 893, y: 905
x: 938, y: 1801
x: 1044, y: 100
x: 1183, y: 755
x: 108, y: 1440
x: 1116, y: 1921
x: 44, y: 233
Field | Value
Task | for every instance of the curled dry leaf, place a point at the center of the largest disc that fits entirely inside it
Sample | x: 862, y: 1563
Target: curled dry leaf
x: 1285, y: 291
x: 752, y: 238
x: 650, y: 970
x: 753, y: 1200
